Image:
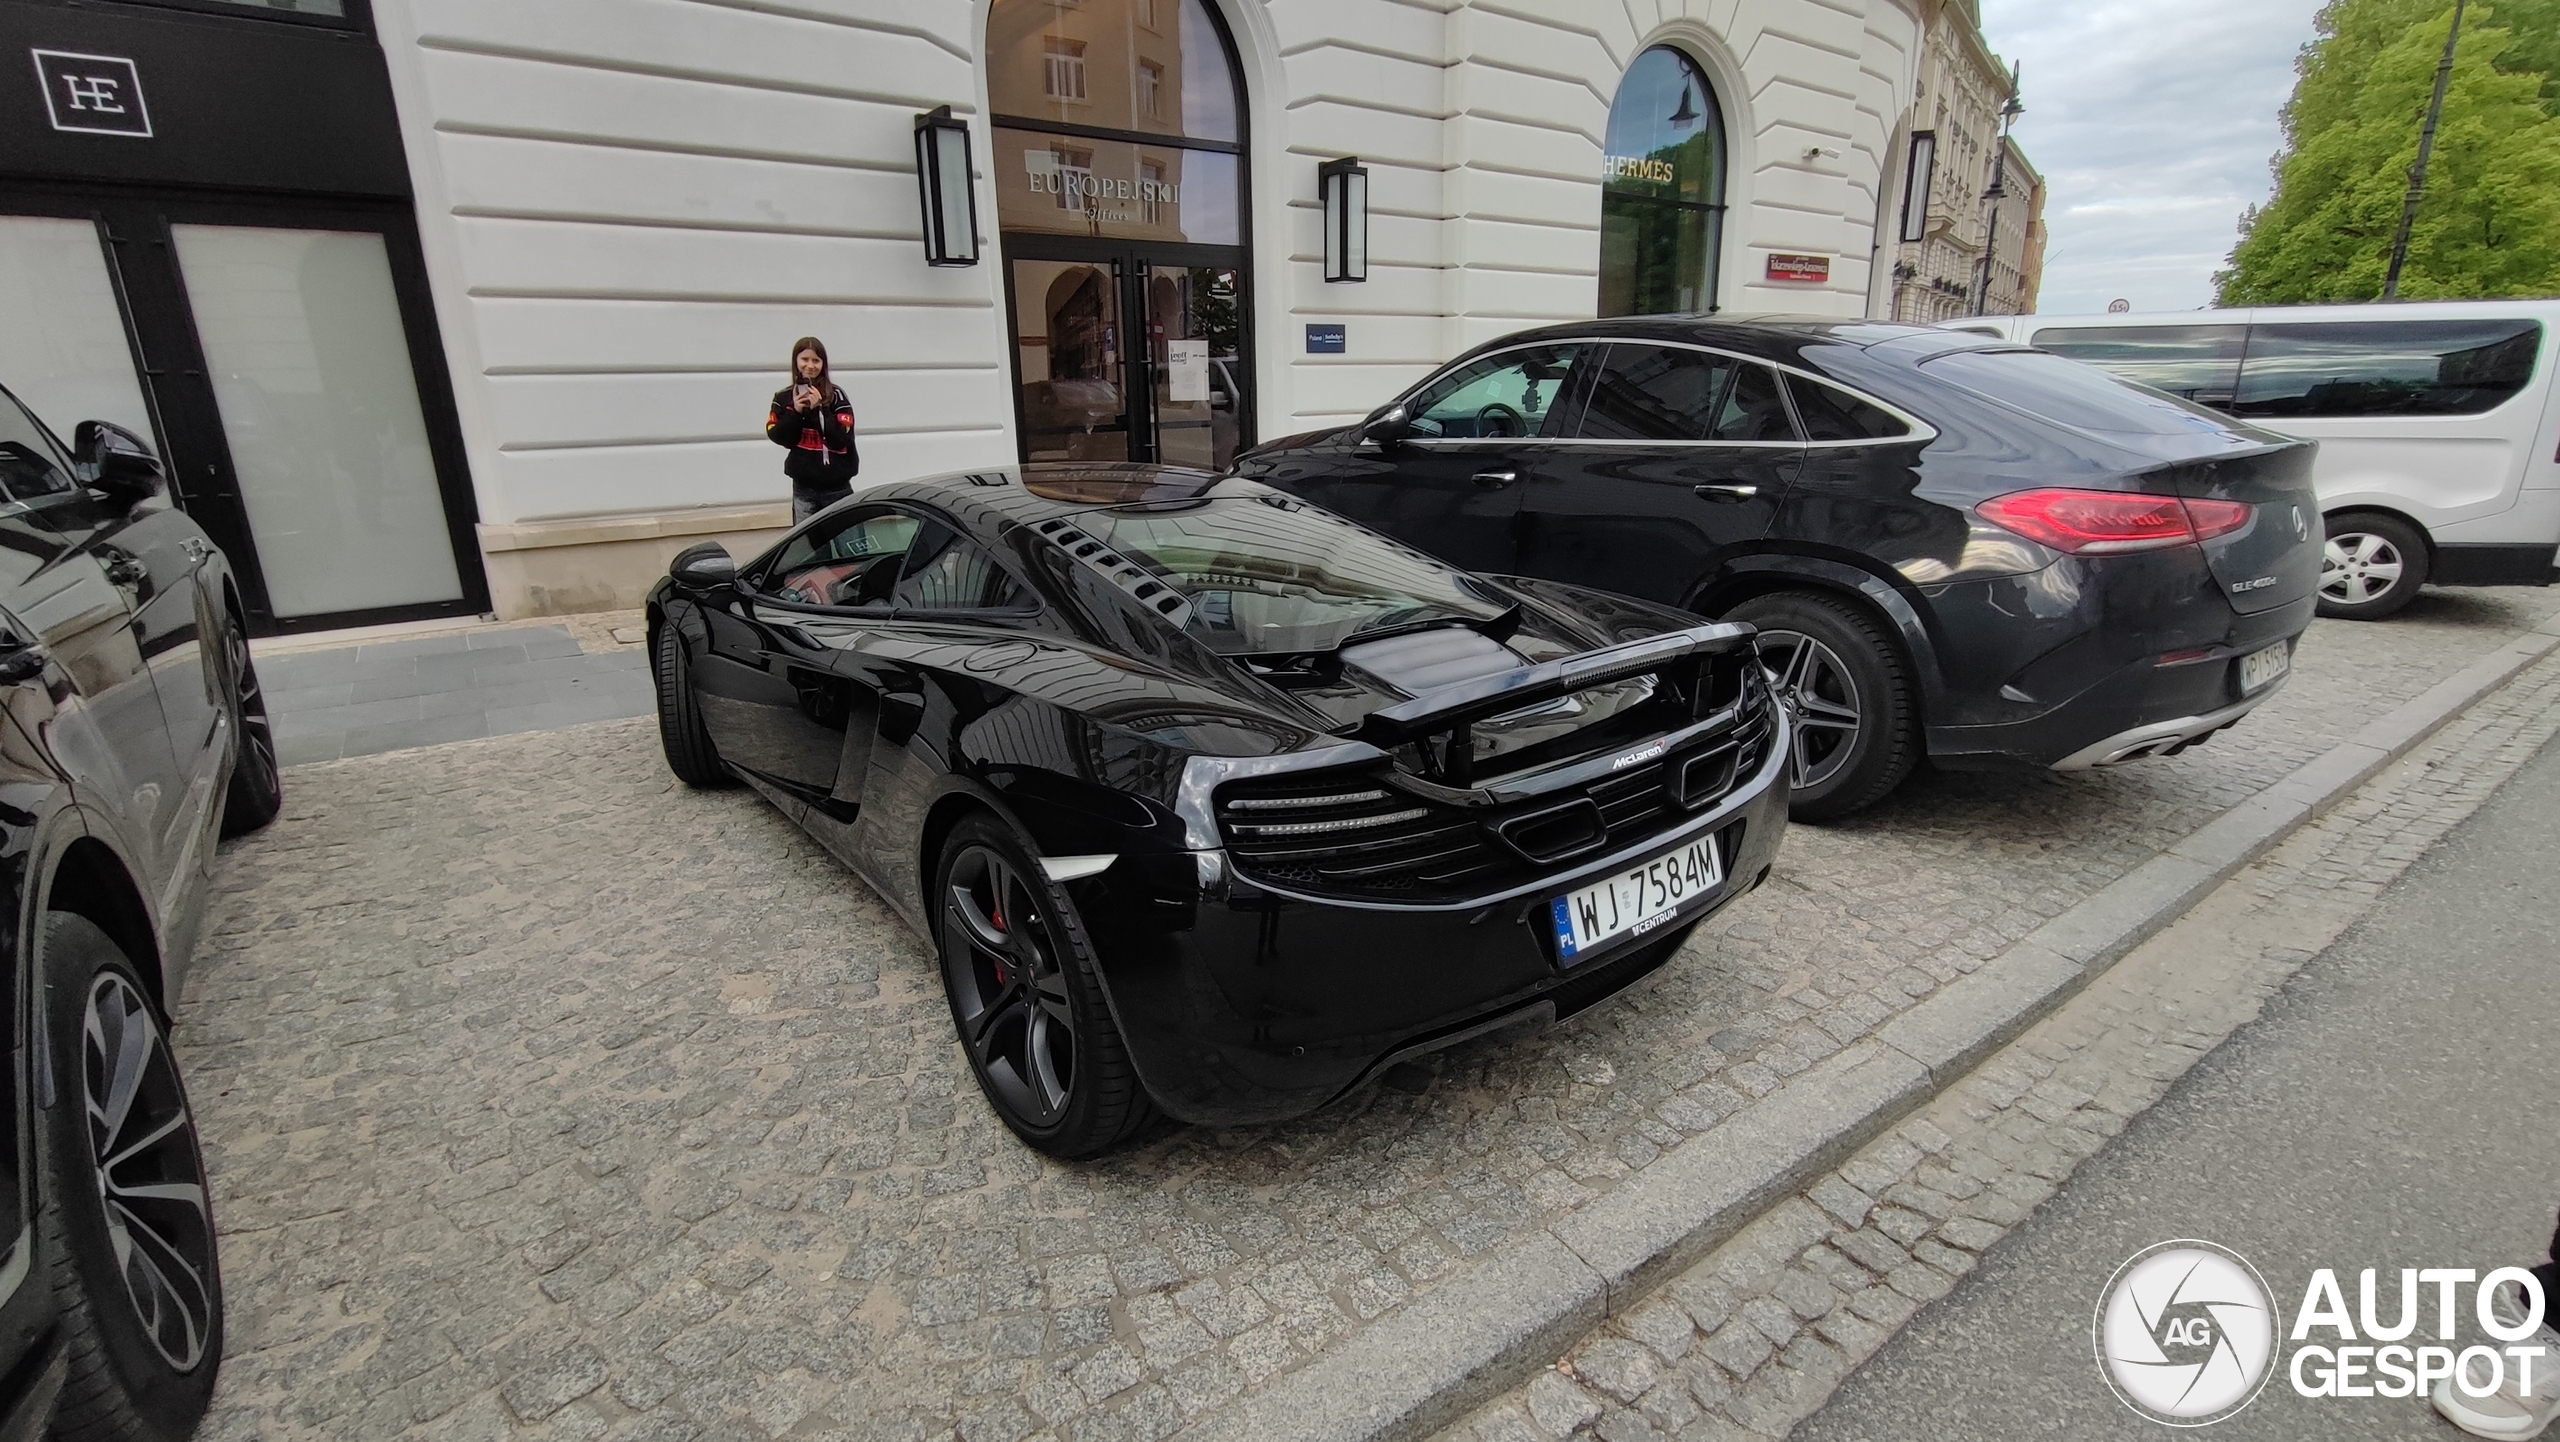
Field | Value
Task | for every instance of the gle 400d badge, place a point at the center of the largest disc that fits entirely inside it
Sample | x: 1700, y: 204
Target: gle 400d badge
x: 2185, y: 1332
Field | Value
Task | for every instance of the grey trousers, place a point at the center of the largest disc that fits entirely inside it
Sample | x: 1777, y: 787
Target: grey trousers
x: 805, y: 504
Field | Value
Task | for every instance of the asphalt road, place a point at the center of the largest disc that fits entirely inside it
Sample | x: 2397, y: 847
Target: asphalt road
x: 2397, y: 1105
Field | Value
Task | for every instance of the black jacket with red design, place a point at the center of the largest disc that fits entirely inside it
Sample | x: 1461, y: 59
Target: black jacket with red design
x: 822, y: 458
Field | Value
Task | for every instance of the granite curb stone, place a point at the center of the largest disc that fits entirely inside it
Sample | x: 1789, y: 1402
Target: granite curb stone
x: 1497, y: 1327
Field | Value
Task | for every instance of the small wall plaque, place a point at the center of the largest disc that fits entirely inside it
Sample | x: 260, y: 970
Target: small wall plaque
x: 1800, y: 269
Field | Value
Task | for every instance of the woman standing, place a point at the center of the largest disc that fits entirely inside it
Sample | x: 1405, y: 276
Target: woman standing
x: 812, y: 419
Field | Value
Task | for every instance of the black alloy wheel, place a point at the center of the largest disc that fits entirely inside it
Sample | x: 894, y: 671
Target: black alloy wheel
x: 690, y: 754
x: 123, y: 1211
x: 2371, y: 565
x: 256, y: 792
x: 1841, y: 680
x: 1029, y: 1010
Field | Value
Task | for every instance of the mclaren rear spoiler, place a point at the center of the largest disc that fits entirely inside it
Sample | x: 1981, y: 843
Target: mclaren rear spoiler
x: 1677, y: 655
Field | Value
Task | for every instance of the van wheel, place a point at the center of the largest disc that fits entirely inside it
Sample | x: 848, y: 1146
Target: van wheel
x: 1847, y: 696
x: 122, y: 1207
x: 2371, y: 566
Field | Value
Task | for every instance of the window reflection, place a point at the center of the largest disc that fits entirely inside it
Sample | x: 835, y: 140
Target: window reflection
x: 1144, y: 65
x: 1662, y: 190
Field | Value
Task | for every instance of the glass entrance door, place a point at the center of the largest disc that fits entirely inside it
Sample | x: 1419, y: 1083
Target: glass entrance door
x: 1070, y: 361
x: 283, y: 362
x: 1194, y: 335
x: 1176, y: 395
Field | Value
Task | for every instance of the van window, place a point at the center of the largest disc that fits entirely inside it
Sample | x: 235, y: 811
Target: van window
x: 2386, y: 367
x: 2069, y: 392
x: 2200, y: 363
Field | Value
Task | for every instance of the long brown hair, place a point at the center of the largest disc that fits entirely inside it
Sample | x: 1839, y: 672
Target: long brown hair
x: 826, y: 378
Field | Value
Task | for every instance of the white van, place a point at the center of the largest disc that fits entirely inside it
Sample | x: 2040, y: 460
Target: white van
x: 2438, y: 424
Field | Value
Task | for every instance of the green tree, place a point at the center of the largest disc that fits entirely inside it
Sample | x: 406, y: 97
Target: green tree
x: 2490, y: 222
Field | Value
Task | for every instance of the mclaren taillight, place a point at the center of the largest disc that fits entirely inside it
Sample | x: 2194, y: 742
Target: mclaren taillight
x: 2106, y: 523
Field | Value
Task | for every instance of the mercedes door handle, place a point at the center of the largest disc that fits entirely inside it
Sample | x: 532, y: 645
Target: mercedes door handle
x: 1495, y: 480
x: 1725, y: 492
x: 19, y: 661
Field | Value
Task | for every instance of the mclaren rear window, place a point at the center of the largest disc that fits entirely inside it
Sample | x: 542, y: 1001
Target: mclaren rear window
x: 1268, y: 576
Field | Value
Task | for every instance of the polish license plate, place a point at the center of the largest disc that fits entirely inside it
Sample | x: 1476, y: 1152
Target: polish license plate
x: 1637, y: 900
x: 2259, y: 669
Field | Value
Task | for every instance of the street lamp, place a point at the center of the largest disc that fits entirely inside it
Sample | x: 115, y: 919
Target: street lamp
x: 1343, y: 185
x: 948, y: 199
x: 2009, y: 113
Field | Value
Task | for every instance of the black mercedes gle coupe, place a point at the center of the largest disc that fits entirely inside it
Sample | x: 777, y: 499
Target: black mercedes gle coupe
x: 1211, y: 801
x: 1951, y: 546
x: 136, y: 737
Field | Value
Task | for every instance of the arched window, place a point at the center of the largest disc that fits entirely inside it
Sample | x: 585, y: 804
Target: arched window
x: 1661, y: 190
x: 1118, y: 154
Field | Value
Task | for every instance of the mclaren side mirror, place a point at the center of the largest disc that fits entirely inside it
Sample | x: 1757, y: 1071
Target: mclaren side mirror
x: 1387, y: 428
x: 707, y: 567
x: 117, y: 463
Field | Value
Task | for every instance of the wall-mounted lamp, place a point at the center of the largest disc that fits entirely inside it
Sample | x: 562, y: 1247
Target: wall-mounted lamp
x: 944, y: 190
x: 1343, y: 185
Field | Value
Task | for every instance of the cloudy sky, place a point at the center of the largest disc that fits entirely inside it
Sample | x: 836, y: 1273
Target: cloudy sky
x: 2152, y: 122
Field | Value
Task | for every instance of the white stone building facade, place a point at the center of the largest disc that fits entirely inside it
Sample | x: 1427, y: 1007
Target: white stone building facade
x: 625, y: 210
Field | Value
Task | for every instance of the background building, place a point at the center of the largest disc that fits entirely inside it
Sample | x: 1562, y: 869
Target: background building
x: 2017, y: 238
x: 439, y: 306
x: 1955, y: 249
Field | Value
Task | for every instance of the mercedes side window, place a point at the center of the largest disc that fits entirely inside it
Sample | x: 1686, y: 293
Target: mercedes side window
x: 2385, y: 367
x: 1507, y: 395
x: 947, y: 572
x: 2200, y: 363
x: 32, y: 465
x: 1669, y: 393
x: 849, y: 560
x: 1832, y: 414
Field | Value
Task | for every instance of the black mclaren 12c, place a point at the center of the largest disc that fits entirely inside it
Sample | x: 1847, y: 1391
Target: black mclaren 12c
x: 1212, y: 802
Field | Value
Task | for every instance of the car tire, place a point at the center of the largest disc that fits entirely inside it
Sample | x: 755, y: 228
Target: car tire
x: 1026, y: 997
x: 690, y: 754
x: 2371, y: 566
x: 1848, y: 699
x: 144, y: 1334
x: 256, y: 792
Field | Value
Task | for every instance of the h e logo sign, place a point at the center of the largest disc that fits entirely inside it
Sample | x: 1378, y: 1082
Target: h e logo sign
x: 92, y: 94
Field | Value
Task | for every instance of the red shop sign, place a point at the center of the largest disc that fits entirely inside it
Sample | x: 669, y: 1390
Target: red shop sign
x: 1814, y: 268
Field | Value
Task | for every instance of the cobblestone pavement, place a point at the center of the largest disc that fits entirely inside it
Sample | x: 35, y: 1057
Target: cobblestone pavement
x: 1753, y: 1339
x: 546, y: 1099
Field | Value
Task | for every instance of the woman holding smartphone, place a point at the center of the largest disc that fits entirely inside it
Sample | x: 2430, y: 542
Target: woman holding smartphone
x: 812, y: 420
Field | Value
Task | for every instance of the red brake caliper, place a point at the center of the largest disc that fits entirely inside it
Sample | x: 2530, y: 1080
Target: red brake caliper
x: 995, y: 915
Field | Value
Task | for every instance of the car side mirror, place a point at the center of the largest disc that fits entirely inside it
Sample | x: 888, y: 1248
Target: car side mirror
x: 116, y: 462
x: 707, y: 567
x: 1388, y: 428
